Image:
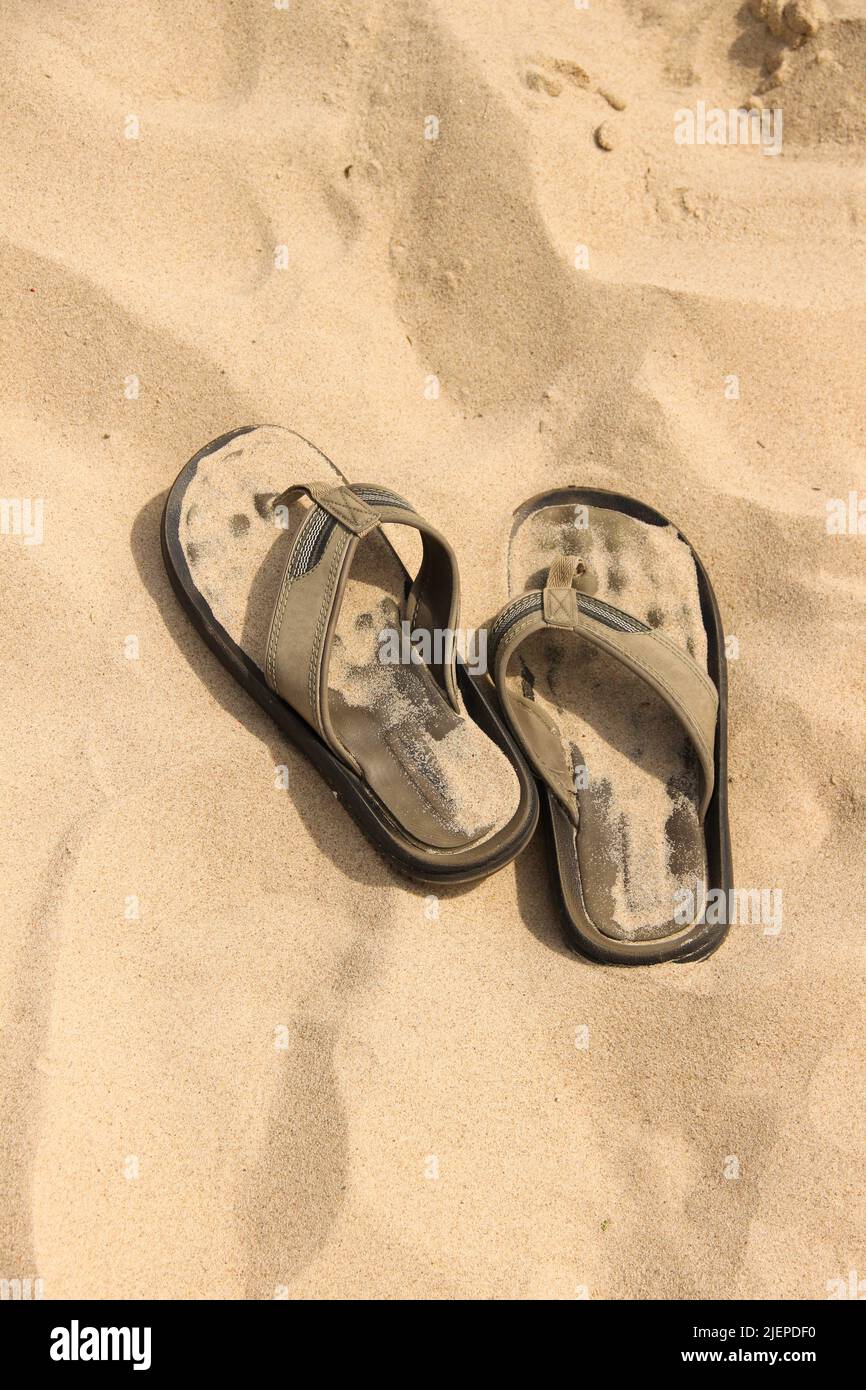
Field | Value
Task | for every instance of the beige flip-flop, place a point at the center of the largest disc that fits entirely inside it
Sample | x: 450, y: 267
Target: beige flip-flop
x: 609, y: 661
x: 301, y: 595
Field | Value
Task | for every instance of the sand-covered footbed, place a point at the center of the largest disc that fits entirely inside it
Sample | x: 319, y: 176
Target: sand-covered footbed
x: 239, y: 1056
x: 634, y: 772
x: 388, y: 712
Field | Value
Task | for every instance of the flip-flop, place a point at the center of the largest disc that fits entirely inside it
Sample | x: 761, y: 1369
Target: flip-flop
x: 609, y: 662
x: 302, y: 596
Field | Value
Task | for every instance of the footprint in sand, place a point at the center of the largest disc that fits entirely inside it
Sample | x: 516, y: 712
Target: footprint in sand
x: 550, y: 75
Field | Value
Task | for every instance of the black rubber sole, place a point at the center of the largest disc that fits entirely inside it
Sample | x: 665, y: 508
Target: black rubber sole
x: 402, y: 852
x: 699, y: 941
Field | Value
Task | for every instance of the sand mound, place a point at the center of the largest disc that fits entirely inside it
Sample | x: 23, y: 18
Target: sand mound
x: 820, y: 86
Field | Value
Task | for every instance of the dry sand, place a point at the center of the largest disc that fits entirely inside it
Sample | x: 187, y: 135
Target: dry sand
x: 239, y: 1056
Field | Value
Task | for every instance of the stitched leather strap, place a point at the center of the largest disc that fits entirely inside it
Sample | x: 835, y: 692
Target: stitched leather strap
x: 671, y: 672
x: 339, y: 502
x: 308, y: 604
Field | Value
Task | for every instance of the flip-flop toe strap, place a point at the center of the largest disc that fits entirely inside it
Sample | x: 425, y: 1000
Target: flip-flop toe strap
x: 310, y: 596
x: 650, y: 654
